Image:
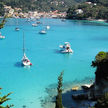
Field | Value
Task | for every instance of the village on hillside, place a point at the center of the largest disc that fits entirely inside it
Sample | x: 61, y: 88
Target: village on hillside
x: 18, y: 13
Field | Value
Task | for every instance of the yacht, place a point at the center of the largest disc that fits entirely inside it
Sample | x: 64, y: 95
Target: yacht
x: 17, y: 29
x: 42, y: 32
x: 66, y: 48
x: 25, y: 60
x: 1, y: 37
x: 34, y: 25
x: 38, y: 22
x: 63, y: 20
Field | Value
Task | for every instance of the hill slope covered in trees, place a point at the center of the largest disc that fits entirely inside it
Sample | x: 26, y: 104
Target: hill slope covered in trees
x: 40, y: 5
x: 98, y: 9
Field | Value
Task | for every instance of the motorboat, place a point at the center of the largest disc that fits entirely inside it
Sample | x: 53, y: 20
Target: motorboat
x: 1, y: 37
x: 47, y: 27
x: 37, y: 18
x: 17, y: 29
x: 66, y: 48
x: 63, y: 20
x: 25, y: 60
x: 38, y: 22
x: 34, y: 25
x: 42, y: 32
x: 28, y: 20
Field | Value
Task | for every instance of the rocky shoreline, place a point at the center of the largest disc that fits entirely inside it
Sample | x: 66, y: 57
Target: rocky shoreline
x: 85, y: 93
x: 68, y: 101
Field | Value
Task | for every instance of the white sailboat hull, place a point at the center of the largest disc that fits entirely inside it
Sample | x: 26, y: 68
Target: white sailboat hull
x: 42, y: 32
x: 2, y: 37
x: 26, y: 63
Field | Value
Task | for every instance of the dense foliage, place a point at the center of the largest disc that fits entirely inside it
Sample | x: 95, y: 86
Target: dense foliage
x: 59, y: 95
x: 102, y: 102
x: 101, y: 64
x: 2, y: 23
x: 1, y: 8
x: 40, y: 5
x: 98, y: 9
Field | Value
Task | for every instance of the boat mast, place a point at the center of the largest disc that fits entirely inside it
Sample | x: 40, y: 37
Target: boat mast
x: 17, y: 22
x: 23, y: 44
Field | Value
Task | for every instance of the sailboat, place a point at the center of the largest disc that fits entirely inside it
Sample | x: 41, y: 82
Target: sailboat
x: 25, y: 60
x: 17, y: 29
x: 47, y: 27
x: 43, y: 31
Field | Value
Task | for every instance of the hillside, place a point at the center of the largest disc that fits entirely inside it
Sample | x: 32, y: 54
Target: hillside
x: 41, y: 5
x: 93, y: 9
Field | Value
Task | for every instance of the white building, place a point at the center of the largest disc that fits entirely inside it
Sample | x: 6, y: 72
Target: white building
x: 79, y: 11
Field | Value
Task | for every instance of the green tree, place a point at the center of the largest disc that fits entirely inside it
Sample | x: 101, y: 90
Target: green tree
x: 93, y: 11
x: 102, y: 102
x: 40, y: 5
x: 59, y: 90
x: 3, y: 22
x: 101, y: 65
x: 1, y: 8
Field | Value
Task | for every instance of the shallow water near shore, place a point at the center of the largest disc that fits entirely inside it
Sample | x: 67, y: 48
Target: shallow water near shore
x: 28, y: 84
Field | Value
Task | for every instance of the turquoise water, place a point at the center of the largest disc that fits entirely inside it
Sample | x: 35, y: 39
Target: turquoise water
x: 28, y: 84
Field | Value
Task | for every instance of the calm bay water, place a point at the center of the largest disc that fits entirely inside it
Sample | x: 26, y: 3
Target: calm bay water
x: 28, y: 84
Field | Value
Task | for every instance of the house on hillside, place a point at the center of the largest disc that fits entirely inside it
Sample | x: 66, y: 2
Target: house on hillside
x: 79, y: 11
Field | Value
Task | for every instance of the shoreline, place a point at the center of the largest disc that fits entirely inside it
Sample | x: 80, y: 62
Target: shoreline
x: 68, y: 91
x: 91, y: 20
x: 87, y: 19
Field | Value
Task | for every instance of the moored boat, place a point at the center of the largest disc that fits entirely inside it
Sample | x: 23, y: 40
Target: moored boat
x: 66, y: 48
x: 47, y: 27
x: 34, y: 25
x: 1, y: 37
x: 25, y: 60
x: 42, y: 32
x: 38, y: 22
x: 17, y: 29
x: 63, y: 20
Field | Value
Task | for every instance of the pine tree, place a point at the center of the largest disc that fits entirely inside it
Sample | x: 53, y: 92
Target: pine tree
x: 59, y: 90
